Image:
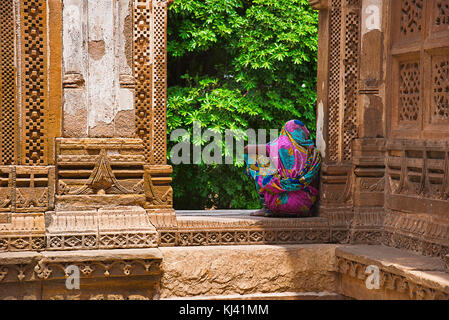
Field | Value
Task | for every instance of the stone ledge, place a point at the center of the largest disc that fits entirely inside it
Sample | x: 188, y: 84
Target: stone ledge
x: 403, y: 275
x: 101, y: 255
x: 247, y: 269
x: 234, y: 221
x: 79, y: 255
x: 31, y: 266
x: 237, y: 227
x: 103, y: 274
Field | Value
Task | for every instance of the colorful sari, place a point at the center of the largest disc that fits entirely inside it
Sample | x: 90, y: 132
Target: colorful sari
x: 283, y: 177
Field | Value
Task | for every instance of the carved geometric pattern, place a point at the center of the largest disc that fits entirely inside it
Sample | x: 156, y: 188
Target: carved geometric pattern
x: 409, y: 91
x: 151, y: 77
x: 128, y: 240
x: 159, y: 193
x: 249, y: 236
x: 102, y: 241
x: 26, y: 188
x: 412, y: 173
x: 159, y: 81
x: 143, y: 74
x: 355, y: 3
x: 34, y: 81
x: 6, y: 189
x: 411, y: 14
x: 440, y: 81
x: 410, y: 232
x: 441, y: 14
x: 343, y: 78
x: 7, y: 83
x: 334, y: 83
x: 24, y: 243
x: 352, y: 21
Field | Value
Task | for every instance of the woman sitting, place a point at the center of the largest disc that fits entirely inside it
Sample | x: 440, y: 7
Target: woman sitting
x: 284, y: 171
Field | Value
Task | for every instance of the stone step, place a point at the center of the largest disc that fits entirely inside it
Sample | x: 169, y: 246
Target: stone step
x: 401, y: 274
x: 249, y: 272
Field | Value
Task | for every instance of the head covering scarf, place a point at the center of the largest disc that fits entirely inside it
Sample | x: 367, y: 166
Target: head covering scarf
x: 285, y: 174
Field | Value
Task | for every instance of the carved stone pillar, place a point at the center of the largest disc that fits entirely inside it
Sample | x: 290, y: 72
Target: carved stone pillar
x: 369, y: 147
x: 150, y: 67
x: 83, y: 112
x: 338, y: 108
x: 350, y: 122
x: 80, y: 81
x: 30, y: 107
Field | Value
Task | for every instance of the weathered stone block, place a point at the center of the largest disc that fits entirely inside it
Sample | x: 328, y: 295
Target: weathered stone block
x: 238, y: 270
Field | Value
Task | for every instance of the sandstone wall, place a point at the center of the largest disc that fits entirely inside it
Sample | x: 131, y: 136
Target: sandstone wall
x: 98, y: 77
x: 230, y: 270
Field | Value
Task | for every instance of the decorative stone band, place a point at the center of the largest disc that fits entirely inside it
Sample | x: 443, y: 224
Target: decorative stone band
x: 22, y: 243
x: 391, y: 281
x: 44, y: 271
x: 33, y: 266
x: 120, y: 227
x: 197, y: 231
x: 42, y: 275
x: 20, y: 232
x: 233, y: 237
x: 402, y: 275
x: 211, y: 229
x: 424, y: 235
x: 414, y: 243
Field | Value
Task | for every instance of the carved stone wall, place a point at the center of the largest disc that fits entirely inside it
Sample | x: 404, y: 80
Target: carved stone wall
x: 338, y: 84
x: 382, y: 84
x: 8, y: 84
x: 30, y: 70
x: 91, y: 72
x: 150, y: 67
x: 104, y: 275
x: 416, y: 154
x: 76, y: 176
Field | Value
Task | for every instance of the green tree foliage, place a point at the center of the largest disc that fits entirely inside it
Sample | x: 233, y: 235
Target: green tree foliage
x: 237, y: 64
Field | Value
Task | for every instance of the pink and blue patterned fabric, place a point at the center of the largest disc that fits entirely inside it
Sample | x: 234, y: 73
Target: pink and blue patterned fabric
x: 283, y: 177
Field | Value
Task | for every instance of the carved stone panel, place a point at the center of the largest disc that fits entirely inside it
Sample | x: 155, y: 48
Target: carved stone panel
x: 150, y: 64
x: 418, y: 58
x: 26, y: 188
x: 7, y: 84
x: 419, y: 172
x: 344, y: 50
x: 99, y: 172
x: 34, y: 146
